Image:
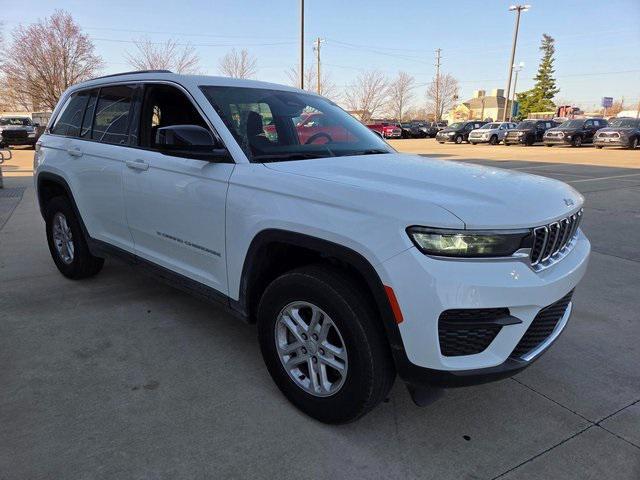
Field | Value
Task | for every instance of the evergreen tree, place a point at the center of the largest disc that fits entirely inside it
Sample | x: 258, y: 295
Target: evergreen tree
x: 539, y: 98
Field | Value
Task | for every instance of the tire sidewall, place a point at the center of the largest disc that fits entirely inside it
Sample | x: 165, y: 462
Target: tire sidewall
x: 358, y: 385
x: 62, y: 205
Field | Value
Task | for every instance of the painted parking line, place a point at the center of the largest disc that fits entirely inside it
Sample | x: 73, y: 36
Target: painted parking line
x: 604, y: 178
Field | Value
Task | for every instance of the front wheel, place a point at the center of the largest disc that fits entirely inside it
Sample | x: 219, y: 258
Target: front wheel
x: 598, y: 147
x: 323, y: 345
x: 66, y: 241
x: 633, y: 144
x: 458, y: 139
x: 577, y: 141
x: 493, y: 140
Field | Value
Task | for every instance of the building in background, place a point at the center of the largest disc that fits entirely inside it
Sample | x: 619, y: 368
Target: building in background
x: 480, y: 107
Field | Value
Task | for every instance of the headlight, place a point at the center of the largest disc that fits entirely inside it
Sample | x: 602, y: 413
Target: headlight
x: 467, y: 243
x: 451, y: 133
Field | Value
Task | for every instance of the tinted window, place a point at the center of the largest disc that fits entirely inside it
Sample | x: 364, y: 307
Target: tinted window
x: 70, y: 118
x: 624, y: 123
x: 16, y: 121
x: 526, y: 125
x: 164, y: 106
x: 85, y: 130
x: 588, y: 124
x: 111, y: 122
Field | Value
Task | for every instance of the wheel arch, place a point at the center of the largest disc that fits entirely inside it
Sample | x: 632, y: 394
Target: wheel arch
x: 263, y: 263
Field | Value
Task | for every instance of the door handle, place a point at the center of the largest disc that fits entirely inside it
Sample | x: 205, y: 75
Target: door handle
x: 74, y: 152
x: 137, y: 164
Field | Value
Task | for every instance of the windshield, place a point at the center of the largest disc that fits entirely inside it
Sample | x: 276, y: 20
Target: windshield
x: 624, y: 123
x: 456, y: 125
x: 276, y: 125
x: 572, y: 124
x: 490, y: 126
x: 526, y: 124
x: 16, y: 121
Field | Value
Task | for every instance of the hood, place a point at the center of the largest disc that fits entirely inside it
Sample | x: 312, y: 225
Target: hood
x: 481, y: 197
x: 516, y: 130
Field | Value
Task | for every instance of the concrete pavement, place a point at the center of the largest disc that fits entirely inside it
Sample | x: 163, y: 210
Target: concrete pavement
x: 120, y: 376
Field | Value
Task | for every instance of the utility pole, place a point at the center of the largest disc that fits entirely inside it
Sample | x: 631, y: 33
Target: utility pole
x: 437, y: 112
x: 516, y: 68
x: 518, y: 9
x: 302, y: 44
x: 317, y: 49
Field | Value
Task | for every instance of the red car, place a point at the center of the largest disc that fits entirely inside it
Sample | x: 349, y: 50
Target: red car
x: 316, y: 128
x: 386, y: 130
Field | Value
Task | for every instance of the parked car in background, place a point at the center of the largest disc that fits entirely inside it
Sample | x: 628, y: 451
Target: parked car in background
x: 412, y: 130
x: 430, y: 129
x: 316, y: 128
x: 492, y: 133
x: 621, y: 132
x: 458, y: 132
x: 387, y: 130
x: 18, y: 131
x: 574, y: 132
x: 528, y: 132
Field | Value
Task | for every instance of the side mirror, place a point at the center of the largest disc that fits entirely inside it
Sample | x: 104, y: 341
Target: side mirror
x: 37, y: 125
x: 191, y: 141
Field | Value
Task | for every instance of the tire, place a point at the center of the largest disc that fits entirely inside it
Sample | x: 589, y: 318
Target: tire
x: 529, y: 142
x: 369, y: 367
x: 473, y: 143
x: 633, y: 144
x: 577, y: 141
x: 61, y: 222
x: 548, y: 145
x: 441, y: 143
x: 493, y: 140
x: 458, y: 139
x: 598, y: 146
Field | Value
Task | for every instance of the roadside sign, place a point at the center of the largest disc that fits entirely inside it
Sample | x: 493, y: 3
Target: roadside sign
x: 607, y: 102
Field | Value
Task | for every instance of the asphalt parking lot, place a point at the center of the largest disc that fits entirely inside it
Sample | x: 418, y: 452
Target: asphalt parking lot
x: 123, y: 377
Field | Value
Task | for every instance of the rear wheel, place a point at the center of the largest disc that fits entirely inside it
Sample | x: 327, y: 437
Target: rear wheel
x: 473, y: 143
x: 322, y: 344
x: 66, y: 241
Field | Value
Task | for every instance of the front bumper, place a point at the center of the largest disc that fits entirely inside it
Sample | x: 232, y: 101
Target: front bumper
x: 393, y: 135
x: 445, y: 138
x: 515, y: 140
x: 557, y: 140
x: 17, y: 141
x: 478, y: 139
x: 611, y: 142
x: 436, y: 285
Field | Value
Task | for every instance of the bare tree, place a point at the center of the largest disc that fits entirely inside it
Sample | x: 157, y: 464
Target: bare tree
x: 367, y: 94
x: 169, y: 55
x: 238, y: 64
x: 442, y: 94
x: 45, y: 58
x: 400, y: 94
x: 327, y: 87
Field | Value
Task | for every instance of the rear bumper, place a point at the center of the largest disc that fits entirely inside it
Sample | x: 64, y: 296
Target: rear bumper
x: 437, y: 285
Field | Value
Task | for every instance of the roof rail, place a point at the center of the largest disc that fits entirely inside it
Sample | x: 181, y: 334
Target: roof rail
x: 132, y: 73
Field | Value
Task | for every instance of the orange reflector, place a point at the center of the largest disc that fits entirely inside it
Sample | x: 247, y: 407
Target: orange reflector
x: 393, y: 301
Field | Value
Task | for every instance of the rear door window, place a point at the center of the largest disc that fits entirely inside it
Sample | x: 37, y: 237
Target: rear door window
x: 70, y: 118
x: 111, y: 124
x: 85, y: 130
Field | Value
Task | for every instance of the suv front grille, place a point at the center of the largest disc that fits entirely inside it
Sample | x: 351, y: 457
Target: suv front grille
x: 551, y: 240
x: 470, y: 331
x: 542, y: 326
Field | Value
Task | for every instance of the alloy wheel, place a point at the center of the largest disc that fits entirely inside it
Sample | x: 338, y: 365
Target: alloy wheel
x: 311, y: 349
x: 63, y: 238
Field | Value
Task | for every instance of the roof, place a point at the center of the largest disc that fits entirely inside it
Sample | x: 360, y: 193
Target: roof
x: 189, y: 81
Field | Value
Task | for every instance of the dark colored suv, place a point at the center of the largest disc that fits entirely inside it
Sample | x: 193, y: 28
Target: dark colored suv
x: 528, y: 132
x: 18, y: 131
x: 574, y: 132
x: 621, y: 132
x: 458, y: 132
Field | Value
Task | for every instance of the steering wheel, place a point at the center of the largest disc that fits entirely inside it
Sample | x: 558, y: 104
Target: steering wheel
x: 315, y: 137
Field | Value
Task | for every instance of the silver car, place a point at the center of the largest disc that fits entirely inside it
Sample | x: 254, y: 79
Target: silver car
x: 492, y: 133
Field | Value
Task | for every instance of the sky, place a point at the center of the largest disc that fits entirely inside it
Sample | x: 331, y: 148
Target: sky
x: 597, y: 42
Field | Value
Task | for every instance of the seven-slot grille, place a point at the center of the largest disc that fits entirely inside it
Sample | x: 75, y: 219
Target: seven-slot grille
x: 542, y: 326
x: 608, y: 135
x: 549, y: 240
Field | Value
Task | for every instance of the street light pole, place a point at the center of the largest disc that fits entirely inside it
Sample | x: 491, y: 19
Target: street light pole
x: 518, y: 9
x: 302, y: 44
x: 516, y: 68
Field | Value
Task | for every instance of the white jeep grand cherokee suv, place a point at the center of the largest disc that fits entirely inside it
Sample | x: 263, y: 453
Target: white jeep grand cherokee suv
x: 356, y: 262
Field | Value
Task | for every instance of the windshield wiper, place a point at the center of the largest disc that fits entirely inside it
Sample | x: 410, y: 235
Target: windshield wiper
x: 287, y: 156
x: 370, y: 151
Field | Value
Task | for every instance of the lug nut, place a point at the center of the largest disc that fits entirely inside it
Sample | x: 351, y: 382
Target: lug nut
x: 314, y: 359
x: 314, y: 336
x: 304, y: 336
x: 304, y: 350
x: 321, y: 351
